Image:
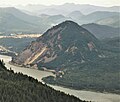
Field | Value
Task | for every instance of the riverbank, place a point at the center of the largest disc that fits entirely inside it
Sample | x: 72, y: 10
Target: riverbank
x: 84, y: 95
x: 37, y: 74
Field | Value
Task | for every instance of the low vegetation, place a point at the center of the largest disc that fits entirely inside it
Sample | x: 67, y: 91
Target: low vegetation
x: 99, y: 75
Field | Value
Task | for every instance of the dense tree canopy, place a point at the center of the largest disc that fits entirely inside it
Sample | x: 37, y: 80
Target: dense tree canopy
x: 22, y: 88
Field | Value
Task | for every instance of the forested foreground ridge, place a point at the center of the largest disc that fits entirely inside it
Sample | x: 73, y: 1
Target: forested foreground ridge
x: 22, y: 88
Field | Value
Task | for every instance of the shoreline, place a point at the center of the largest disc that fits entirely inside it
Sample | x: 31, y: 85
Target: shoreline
x: 45, y: 70
x: 82, y: 94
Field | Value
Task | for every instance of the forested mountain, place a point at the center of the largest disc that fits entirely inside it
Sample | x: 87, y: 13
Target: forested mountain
x: 102, y: 31
x: 22, y: 88
x: 13, y: 20
x: 63, y: 44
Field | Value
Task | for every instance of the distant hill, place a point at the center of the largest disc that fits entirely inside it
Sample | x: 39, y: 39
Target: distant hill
x: 95, y: 16
x: 113, y: 21
x: 13, y: 20
x: 56, y: 19
x: 16, y: 87
x: 75, y: 15
x: 19, y: 14
x: 63, y: 9
x: 102, y: 31
x: 10, y: 23
x: 99, y: 17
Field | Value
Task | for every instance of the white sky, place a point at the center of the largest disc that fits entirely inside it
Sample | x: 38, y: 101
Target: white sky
x: 58, y: 2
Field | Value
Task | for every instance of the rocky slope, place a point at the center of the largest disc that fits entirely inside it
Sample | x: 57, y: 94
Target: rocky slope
x: 61, y: 45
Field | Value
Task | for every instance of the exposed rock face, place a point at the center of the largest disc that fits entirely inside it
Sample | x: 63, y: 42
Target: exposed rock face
x: 63, y: 44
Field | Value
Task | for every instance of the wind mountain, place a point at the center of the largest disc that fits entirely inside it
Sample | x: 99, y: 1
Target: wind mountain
x: 61, y: 45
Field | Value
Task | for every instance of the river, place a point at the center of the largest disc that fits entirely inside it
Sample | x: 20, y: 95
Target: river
x: 84, y: 95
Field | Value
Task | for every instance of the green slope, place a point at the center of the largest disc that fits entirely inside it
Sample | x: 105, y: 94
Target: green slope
x: 21, y: 88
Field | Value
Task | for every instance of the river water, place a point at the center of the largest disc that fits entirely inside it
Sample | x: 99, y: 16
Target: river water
x: 84, y: 95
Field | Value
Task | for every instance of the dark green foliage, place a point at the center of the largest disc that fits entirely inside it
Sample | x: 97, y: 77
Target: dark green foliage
x: 111, y: 44
x: 98, y: 75
x: 114, y: 42
x: 22, y: 88
x: 2, y: 67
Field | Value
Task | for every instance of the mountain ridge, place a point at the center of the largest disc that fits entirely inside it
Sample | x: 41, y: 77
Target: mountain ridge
x: 84, y: 8
x: 102, y: 31
x: 60, y: 41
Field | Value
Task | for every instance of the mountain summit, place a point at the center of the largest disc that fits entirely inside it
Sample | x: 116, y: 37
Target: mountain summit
x: 61, y: 45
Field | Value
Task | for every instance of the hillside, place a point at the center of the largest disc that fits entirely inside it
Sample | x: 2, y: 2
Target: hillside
x: 113, y: 21
x: 102, y: 31
x: 99, y: 75
x: 60, y: 46
x: 63, y: 9
x: 22, y: 88
x: 115, y: 42
x: 14, y: 20
x: 5, y: 51
x: 98, y: 15
x: 9, y: 23
x: 15, y: 44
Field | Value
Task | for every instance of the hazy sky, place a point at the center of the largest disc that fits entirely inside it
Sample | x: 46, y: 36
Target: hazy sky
x: 58, y: 2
